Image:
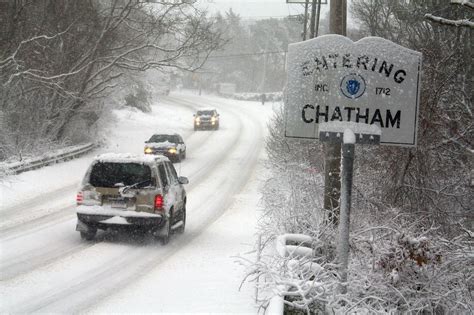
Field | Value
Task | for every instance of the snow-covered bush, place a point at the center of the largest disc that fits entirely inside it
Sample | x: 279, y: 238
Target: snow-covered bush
x: 139, y: 97
x: 400, y: 262
x: 399, y: 268
x: 305, y: 283
x: 293, y: 190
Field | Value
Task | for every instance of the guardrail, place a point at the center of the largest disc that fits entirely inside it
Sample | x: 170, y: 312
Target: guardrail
x: 293, y: 246
x: 61, y: 155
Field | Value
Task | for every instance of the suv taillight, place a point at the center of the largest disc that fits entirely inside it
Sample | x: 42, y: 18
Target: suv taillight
x: 79, y: 198
x: 158, y: 202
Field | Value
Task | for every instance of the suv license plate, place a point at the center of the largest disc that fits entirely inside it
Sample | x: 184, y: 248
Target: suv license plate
x: 118, y: 204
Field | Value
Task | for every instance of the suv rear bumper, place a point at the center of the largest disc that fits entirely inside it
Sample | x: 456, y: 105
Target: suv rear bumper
x: 116, y: 218
x: 106, y: 219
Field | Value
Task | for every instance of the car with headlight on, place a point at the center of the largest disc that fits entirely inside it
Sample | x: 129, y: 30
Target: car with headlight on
x: 127, y: 191
x: 169, y: 145
x: 206, y: 119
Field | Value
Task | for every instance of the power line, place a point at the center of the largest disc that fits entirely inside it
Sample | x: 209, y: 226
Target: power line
x: 266, y: 17
x: 251, y: 54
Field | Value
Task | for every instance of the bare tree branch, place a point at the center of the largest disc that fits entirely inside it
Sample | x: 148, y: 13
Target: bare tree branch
x: 457, y: 23
x: 466, y: 3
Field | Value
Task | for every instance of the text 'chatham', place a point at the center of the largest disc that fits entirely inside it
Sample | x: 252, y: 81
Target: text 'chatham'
x: 383, y: 118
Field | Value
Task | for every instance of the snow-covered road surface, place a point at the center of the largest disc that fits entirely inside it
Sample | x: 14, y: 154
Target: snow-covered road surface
x: 45, y: 267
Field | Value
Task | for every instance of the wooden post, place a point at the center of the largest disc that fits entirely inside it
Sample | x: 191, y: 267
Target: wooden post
x: 313, y: 19
x: 332, y: 151
x: 318, y: 15
x: 305, y: 27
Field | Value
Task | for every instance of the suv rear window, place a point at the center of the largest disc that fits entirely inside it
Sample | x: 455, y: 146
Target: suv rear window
x: 109, y: 174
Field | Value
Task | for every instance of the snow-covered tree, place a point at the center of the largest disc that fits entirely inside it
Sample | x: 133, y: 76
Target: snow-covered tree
x: 467, y: 22
x: 254, y: 55
x: 433, y: 179
x: 58, y: 59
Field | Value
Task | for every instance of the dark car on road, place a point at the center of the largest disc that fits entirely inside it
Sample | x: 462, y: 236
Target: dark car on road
x: 206, y: 119
x: 170, y: 145
x: 127, y: 191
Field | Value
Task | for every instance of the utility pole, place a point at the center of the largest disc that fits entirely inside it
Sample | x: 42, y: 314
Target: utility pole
x: 337, y: 17
x: 332, y: 151
x: 314, y: 22
x: 313, y: 19
x: 305, y: 27
x: 318, y: 15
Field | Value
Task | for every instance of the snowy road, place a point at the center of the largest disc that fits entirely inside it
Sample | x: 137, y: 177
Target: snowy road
x: 45, y: 267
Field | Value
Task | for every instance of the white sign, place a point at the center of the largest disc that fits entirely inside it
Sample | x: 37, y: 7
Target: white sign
x: 371, y: 81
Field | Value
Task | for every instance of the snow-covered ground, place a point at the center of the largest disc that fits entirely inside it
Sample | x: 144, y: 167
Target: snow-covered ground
x: 45, y: 267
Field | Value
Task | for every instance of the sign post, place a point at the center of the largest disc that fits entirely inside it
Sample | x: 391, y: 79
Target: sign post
x: 345, y: 212
x: 337, y: 132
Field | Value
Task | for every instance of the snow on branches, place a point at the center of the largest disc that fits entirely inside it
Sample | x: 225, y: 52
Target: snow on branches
x: 457, y: 23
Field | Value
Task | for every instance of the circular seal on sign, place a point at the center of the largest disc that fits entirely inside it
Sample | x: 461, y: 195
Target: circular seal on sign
x: 353, y: 86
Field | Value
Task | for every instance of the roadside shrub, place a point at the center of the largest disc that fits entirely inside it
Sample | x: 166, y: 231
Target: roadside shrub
x: 139, y: 98
x: 400, y: 262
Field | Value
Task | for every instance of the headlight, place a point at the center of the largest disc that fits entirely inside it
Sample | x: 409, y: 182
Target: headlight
x: 148, y: 150
x: 198, y: 119
x: 213, y: 119
x: 172, y: 150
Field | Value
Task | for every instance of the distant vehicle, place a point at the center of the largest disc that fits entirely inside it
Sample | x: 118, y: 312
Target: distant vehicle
x: 169, y: 145
x: 123, y: 191
x: 206, y: 119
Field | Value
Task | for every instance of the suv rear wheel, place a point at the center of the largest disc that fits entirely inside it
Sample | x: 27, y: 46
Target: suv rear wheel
x: 165, y: 233
x: 180, y: 229
x: 89, y: 235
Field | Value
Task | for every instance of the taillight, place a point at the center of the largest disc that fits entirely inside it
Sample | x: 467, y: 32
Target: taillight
x: 158, y: 202
x: 79, y: 198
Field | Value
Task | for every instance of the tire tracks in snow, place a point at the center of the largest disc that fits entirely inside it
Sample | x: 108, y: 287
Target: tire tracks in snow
x: 44, y: 220
x: 83, y: 293
x: 38, y: 257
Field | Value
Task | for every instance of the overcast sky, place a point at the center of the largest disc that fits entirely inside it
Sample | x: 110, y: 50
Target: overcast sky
x: 257, y: 9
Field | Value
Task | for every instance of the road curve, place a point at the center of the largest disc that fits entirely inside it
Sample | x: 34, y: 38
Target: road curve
x: 56, y: 272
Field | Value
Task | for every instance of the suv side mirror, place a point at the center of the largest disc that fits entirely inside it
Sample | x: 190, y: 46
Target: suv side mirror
x: 183, y: 180
x: 147, y: 141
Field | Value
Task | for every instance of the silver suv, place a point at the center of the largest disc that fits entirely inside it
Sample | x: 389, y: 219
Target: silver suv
x: 123, y: 190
